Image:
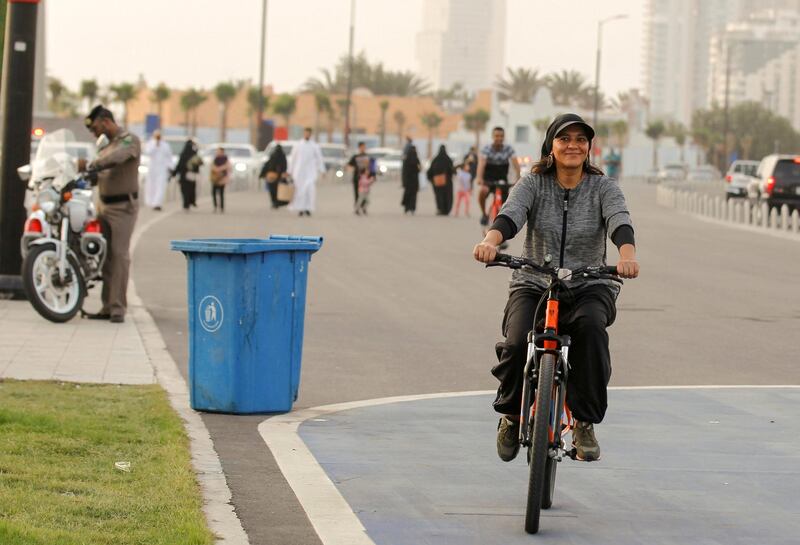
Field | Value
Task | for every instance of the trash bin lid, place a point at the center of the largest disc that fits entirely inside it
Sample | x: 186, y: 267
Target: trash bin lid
x: 273, y: 243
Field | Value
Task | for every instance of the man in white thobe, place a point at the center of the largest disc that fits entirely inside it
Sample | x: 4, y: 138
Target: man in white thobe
x: 305, y: 166
x: 158, y: 170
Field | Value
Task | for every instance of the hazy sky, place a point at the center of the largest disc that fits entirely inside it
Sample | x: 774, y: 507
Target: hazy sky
x: 201, y: 42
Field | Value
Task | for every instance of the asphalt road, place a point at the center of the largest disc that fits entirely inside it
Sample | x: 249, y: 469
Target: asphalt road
x: 396, y: 305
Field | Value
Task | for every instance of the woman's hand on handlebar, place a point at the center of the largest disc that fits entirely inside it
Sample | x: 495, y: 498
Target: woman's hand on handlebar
x: 627, y: 266
x: 486, y: 250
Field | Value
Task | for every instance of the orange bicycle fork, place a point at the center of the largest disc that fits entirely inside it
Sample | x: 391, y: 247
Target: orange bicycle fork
x: 547, y: 342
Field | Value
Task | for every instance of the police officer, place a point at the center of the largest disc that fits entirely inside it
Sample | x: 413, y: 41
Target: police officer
x: 117, y: 166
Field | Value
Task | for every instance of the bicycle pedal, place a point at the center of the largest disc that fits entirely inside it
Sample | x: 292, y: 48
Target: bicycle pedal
x: 572, y: 453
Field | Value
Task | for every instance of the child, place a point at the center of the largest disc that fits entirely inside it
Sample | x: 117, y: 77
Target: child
x: 464, y: 185
x: 365, y: 179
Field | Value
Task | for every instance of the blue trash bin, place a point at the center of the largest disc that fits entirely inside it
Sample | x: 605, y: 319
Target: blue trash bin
x: 246, y: 312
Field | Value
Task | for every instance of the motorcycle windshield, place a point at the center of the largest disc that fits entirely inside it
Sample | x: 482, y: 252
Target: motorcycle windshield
x: 53, y: 161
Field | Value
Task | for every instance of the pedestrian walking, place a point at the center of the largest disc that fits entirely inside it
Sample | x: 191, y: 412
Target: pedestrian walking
x: 358, y: 163
x: 305, y: 167
x: 187, y: 171
x: 117, y: 166
x: 464, y: 185
x: 613, y: 163
x: 273, y: 172
x: 440, y: 173
x: 471, y: 158
x: 410, y: 179
x: 220, y: 176
x: 160, y: 156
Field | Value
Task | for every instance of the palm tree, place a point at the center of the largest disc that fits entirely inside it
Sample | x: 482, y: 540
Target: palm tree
x: 384, y: 105
x: 225, y: 92
x: 328, y: 84
x: 400, y: 121
x: 431, y: 120
x: 323, y: 103
x: 476, y: 121
x: 567, y: 87
x: 520, y: 86
x: 190, y: 101
x: 679, y: 133
x: 160, y: 94
x: 620, y: 131
x: 654, y: 131
x: 284, y: 106
x: 255, y: 98
x: 57, y: 93
x: 124, y: 93
x: 89, y: 91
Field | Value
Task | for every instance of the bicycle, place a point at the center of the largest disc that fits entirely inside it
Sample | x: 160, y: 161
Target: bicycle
x: 545, y: 385
x: 500, y: 195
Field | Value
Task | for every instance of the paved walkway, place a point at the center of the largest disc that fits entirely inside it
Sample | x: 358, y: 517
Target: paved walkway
x: 77, y: 351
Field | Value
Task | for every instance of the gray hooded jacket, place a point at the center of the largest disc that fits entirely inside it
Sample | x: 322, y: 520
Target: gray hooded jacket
x: 571, y: 225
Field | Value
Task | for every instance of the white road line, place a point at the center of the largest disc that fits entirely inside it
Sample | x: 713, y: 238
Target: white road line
x: 327, y: 510
x: 217, y: 506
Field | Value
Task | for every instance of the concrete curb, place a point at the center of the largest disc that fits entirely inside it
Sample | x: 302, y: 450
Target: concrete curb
x: 217, y: 506
x: 739, y: 214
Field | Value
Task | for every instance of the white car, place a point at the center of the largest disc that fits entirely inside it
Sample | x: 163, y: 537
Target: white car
x: 245, y: 159
x: 391, y: 164
x: 738, y: 177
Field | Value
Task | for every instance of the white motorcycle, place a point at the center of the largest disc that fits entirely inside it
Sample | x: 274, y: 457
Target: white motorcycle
x: 63, y: 248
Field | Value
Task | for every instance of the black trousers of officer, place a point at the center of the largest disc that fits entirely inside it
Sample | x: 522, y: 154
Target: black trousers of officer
x: 584, y: 316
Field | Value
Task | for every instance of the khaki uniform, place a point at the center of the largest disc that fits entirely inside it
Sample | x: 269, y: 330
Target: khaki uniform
x: 118, y: 182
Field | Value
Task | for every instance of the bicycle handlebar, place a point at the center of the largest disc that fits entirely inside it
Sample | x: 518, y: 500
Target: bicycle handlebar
x: 512, y: 262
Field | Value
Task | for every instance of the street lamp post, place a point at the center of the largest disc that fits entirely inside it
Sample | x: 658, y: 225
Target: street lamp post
x: 259, y: 130
x: 16, y: 111
x: 349, y: 76
x: 597, y: 65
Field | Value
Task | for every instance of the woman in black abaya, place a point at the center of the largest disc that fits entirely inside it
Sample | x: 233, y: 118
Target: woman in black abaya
x: 410, y: 178
x: 440, y: 173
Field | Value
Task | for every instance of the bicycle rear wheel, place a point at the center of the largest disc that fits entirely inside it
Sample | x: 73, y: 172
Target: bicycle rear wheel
x: 540, y: 443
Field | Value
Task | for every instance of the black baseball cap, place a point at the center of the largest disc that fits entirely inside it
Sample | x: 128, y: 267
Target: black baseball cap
x: 98, y: 111
x: 559, y: 124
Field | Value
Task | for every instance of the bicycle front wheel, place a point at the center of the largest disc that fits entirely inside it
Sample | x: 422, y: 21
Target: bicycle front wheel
x: 540, y: 444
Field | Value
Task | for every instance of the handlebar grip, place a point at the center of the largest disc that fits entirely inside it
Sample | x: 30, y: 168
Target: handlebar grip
x: 609, y: 270
x: 503, y: 258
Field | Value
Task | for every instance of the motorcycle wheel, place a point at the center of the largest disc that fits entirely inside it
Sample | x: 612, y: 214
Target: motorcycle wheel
x: 57, y: 303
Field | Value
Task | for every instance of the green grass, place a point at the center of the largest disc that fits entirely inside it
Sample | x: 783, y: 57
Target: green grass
x: 58, y: 483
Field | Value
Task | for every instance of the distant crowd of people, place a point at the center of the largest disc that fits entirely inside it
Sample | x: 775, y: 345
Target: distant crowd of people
x: 291, y: 180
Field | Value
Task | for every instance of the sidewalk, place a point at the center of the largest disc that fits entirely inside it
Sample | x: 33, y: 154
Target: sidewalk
x: 32, y: 348
x: 133, y: 352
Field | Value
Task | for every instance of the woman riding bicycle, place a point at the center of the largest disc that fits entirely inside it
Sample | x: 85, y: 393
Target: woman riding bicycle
x: 570, y: 207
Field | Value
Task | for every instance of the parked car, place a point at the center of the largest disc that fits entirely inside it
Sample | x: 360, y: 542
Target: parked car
x: 703, y: 173
x: 777, y: 181
x: 391, y: 164
x: 335, y: 158
x: 244, y: 158
x: 738, y: 177
x: 672, y: 173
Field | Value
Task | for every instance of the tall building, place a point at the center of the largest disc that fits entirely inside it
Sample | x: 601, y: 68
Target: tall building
x: 677, y: 42
x: 758, y: 59
x: 462, y: 41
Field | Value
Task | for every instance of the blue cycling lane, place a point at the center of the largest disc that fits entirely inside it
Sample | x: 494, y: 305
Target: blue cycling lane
x: 680, y: 465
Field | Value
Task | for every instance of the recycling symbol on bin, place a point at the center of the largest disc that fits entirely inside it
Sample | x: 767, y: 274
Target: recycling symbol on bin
x: 211, y: 313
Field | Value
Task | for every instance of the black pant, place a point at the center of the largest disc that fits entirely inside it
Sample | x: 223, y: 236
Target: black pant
x: 218, y: 190
x: 188, y: 192
x: 584, y: 317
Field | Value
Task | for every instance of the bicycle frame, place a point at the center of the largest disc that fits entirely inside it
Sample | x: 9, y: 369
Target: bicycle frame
x: 547, y: 342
